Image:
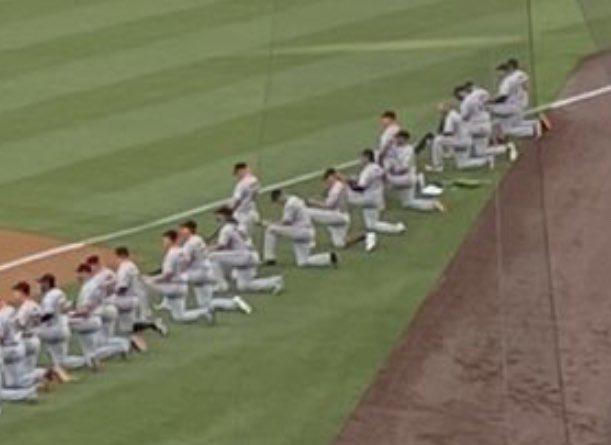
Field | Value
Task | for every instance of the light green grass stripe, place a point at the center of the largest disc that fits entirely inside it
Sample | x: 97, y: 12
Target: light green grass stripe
x: 71, y: 110
x: 125, y: 35
x: 90, y: 73
x: 86, y: 19
x: 191, y: 112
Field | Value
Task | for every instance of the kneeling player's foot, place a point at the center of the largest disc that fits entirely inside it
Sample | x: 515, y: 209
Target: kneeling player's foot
x: 242, y: 305
x: 334, y: 259
x: 546, y: 123
x: 440, y: 207
x: 371, y: 241
x: 270, y: 263
x: 95, y: 364
x: 538, y: 130
x: 278, y: 286
x: 401, y: 227
x: 160, y: 327
x: 512, y: 152
x: 62, y: 375
x: 138, y: 343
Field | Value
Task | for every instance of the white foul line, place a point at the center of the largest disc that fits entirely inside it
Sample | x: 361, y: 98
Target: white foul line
x: 214, y: 204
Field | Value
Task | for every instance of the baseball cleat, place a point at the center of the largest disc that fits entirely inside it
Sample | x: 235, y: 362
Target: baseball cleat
x: 371, y: 241
x: 401, y: 227
x: 491, y: 162
x: 270, y: 263
x: 243, y: 305
x: 440, y: 207
x: 138, y: 343
x: 512, y: 152
x: 160, y: 327
x: 546, y: 123
x: 334, y: 259
x: 278, y: 287
x: 538, y: 130
x: 62, y: 375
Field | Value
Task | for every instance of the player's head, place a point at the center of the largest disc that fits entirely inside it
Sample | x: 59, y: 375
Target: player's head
x: 122, y: 253
x: 169, y: 238
x: 330, y: 176
x: 468, y: 86
x: 21, y: 291
x: 503, y: 69
x: 459, y: 93
x: 240, y: 169
x: 224, y: 214
x: 186, y: 229
x: 278, y: 196
x: 402, y: 137
x: 83, y: 272
x: 388, y: 117
x: 367, y: 156
x: 95, y: 263
x: 46, y: 282
x: 512, y: 64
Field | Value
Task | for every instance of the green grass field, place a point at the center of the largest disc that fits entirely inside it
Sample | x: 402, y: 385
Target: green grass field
x: 114, y: 112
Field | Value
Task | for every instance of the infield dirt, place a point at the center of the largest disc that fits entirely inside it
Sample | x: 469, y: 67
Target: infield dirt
x: 514, y: 345
x: 15, y: 245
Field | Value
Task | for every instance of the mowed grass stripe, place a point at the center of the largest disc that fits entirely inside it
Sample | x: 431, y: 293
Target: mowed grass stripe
x: 421, y: 20
x: 86, y: 18
x: 29, y: 122
x: 72, y: 110
x: 225, y: 106
x: 19, y: 10
x: 124, y: 35
x: 93, y: 72
x: 150, y: 172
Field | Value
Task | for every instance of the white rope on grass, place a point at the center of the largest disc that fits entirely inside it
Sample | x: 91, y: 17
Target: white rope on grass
x: 59, y: 250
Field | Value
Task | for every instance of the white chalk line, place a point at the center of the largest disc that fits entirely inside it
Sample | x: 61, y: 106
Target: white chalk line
x: 49, y: 253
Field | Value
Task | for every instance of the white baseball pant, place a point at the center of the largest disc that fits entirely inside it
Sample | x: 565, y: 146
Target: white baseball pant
x: 337, y: 223
x: 303, y: 241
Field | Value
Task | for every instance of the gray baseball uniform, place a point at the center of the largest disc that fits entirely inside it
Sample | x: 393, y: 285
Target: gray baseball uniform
x: 243, y: 201
x: 371, y: 199
x: 55, y: 331
x: 402, y: 176
x: 236, y: 254
x: 296, y: 225
x: 334, y: 215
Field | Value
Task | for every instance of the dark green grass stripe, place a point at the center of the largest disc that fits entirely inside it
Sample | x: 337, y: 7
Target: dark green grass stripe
x: 196, y: 78
x: 132, y: 34
x: 425, y: 20
x: 237, y: 136
x: 16, y: 10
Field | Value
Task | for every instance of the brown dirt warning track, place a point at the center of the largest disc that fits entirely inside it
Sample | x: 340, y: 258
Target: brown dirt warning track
x: 15, y: 245
x: 514, y: 346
